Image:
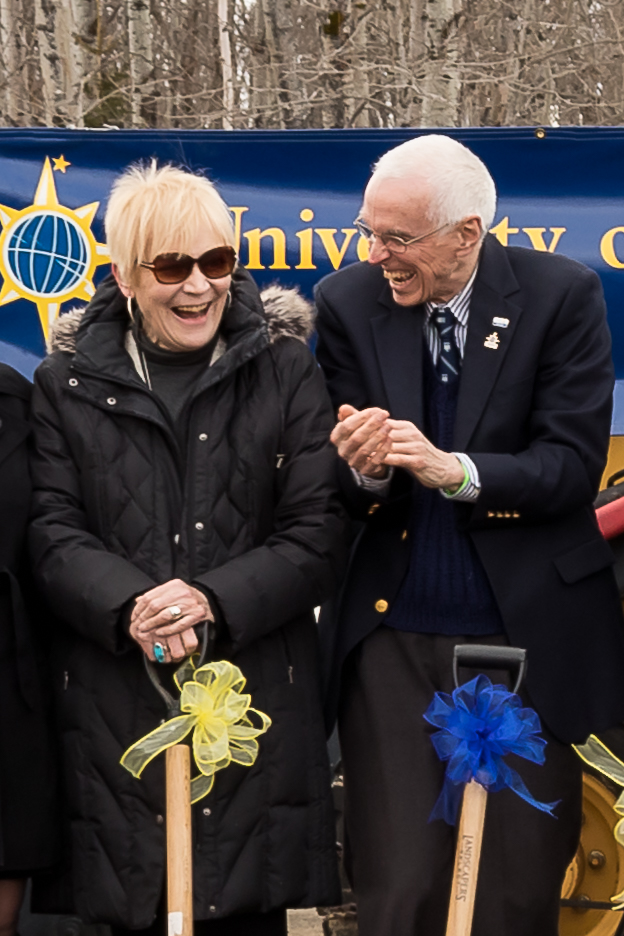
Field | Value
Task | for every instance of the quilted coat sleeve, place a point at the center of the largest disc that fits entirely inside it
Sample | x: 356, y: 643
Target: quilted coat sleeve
x: 86, y: 585
x: 302, y: 563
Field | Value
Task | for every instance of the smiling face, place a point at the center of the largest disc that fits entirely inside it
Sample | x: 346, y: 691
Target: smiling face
x: 436, y: 268
x: 184, y: 316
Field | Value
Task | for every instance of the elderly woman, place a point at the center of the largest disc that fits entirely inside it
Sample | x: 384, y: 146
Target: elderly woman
x: 183, y: 474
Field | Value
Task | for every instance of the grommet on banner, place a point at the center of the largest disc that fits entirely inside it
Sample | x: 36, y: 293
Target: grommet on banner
x: 540, y: 133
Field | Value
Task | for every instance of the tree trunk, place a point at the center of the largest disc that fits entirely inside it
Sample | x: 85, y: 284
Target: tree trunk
x: 226, y: 64
x: 357, y: 89
x: 84, y: 63
x: 442, y: 83
x: 140, y: 57
x: 47, y: 16
x: 10, y: 78
x: 271, y: 73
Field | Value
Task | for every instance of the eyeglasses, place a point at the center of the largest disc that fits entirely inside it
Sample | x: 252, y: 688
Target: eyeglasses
x: 172, y: 268
x: 392, y: 242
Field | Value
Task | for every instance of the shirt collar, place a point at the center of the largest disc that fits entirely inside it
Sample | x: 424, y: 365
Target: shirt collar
x: 459, y: 304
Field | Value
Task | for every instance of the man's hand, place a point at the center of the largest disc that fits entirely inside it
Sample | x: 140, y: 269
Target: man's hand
x: 411, y: 450
x: 362, y: 439
x: 152, y: 621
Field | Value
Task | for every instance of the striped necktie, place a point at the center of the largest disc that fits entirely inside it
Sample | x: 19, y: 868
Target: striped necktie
x: 449, y: 360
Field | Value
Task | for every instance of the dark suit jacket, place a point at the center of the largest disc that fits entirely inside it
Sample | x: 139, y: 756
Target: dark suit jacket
x: 534, y: 415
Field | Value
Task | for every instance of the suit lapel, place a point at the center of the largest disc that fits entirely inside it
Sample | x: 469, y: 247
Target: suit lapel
x: 398, y: 337
x: 494, y: 284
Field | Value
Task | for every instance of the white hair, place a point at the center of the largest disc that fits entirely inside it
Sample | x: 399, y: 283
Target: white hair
x: 459, y: 183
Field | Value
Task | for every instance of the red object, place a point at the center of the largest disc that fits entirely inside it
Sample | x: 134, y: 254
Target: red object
x: 611, y: 518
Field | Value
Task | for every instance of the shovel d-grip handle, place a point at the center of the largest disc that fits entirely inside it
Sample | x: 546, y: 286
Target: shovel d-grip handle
x: 484, y: 657
x: 205, y: 653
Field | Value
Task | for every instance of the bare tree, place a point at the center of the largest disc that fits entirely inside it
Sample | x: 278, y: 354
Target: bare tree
x: 141, y: 65
x: 10, y: 68
x: 311, y: 63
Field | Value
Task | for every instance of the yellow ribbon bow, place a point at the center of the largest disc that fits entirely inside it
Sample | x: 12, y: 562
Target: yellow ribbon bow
x: 598, y: 756
x: 218, y: 716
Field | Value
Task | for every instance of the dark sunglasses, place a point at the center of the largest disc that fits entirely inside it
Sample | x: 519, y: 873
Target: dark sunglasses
x: 171, y: 268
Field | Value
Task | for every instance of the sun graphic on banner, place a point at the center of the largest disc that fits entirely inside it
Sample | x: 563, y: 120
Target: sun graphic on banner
x: 48, y: 253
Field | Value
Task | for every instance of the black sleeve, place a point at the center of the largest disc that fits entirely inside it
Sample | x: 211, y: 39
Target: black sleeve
x: 86, y: 585
x: 560, y: 470
x: 302, y: 563
x: 342, y: 371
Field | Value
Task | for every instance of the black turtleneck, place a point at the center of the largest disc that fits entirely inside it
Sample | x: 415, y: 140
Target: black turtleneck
x: 173, y: 375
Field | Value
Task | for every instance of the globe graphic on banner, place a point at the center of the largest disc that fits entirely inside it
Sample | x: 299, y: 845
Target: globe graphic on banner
x: 47, y: 253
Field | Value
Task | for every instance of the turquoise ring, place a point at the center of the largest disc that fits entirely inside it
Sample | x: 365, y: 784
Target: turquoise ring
x: 159, y: 652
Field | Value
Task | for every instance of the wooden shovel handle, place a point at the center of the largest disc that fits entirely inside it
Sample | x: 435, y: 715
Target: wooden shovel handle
x: 179, y: 842
x: 467, y: 855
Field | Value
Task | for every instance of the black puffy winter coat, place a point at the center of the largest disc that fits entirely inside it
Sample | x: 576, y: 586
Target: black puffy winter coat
x: 249, y: 513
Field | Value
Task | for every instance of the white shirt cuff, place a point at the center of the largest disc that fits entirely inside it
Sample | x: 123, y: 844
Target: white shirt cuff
x: 470, y: 492
x: 379, y: 486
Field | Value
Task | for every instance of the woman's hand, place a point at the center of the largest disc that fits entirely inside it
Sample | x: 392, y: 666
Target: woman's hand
x: 167, y: 615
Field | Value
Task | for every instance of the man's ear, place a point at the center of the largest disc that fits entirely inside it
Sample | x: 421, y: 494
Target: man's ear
x: 470, y: 232
x: 127, y: 291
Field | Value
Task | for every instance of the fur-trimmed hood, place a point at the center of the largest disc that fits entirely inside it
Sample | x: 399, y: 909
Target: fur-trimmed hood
x: 288, y: 315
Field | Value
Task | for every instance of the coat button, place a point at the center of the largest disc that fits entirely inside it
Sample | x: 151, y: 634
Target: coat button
x: 212, y: 909
x: 159, y: 820
x: 176, y: 538
x: 404, y: 535
x: 73, y: 382
x: 199, y: 525
x: 372, y: 509
x: 111, y: 401
x: 206, y: 811
x: 202, y: 436
x: 381, y: 606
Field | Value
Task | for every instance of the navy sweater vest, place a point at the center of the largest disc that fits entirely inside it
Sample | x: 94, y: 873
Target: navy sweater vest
x: 446, y: 589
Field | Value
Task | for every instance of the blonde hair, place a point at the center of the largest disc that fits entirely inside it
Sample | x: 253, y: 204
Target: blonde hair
x: 153, y: 210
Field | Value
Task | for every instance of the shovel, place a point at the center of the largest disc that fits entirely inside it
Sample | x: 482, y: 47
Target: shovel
x: 470, y: 835
x: 178, y: 811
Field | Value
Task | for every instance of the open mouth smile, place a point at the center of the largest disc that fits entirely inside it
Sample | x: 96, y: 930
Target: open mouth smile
x: 192, y: 312
x: 399, y: 277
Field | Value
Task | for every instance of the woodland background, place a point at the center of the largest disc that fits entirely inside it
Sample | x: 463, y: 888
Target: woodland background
x: 310, y: 63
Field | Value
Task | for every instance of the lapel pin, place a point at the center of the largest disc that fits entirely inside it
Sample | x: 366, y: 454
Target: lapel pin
x: 500, y: 322
x: 492, y: 341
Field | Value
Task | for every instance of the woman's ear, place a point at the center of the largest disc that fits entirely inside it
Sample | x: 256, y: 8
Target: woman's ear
x: 127, y: 291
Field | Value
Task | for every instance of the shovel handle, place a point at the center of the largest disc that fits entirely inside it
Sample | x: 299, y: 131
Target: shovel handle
x: 179, y: 842
x: 483, y: 656
x: 467, y: 855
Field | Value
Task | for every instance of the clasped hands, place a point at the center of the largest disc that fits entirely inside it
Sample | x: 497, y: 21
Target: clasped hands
x: 167, y: 615
x: 370, y: 441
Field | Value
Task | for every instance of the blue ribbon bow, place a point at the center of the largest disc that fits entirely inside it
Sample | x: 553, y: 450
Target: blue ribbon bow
x: 481, y: 723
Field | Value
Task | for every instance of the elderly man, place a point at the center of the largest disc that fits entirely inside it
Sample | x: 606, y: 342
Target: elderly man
x: 473, y: 387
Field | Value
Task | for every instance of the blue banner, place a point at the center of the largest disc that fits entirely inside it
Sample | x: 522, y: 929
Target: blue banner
x: 294, y: 195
